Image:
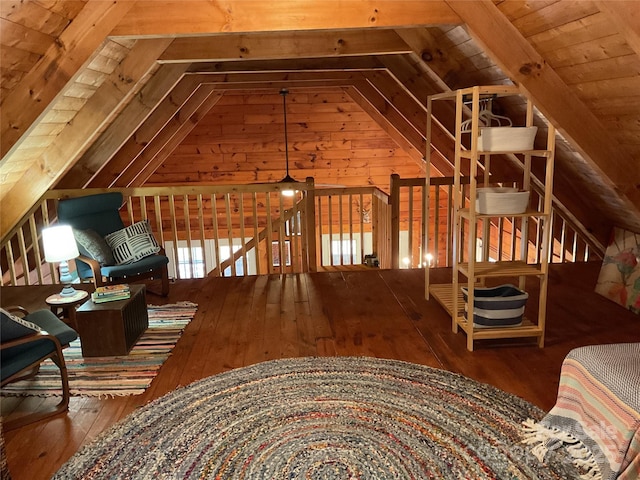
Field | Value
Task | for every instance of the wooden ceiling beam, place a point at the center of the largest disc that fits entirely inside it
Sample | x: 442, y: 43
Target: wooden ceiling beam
x: 364, y: 62
x: 159, y: 80
x: 152, y: 157
x: 402, y: 101
x: 441, y: 69
x: 237, y: 79
x: 283, y: 45
x: 170, y: 140
x: 140, y: 139
x: 127, y: 122
x: 151, y: 17
x: 63, y: 61
x: 105, y: 103
x: 510, y: 50
x: 419, y: 88
x: 389, y: 119
x: 276, y: 85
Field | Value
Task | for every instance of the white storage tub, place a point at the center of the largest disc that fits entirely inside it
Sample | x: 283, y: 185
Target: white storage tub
x: 506, y: 139
x: 501, y: 201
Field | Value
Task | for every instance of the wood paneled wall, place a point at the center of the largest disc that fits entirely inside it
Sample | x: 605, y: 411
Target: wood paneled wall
x: 241, y: 140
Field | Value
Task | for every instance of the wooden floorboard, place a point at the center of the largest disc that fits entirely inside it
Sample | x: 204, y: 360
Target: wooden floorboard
x: 367, y: 312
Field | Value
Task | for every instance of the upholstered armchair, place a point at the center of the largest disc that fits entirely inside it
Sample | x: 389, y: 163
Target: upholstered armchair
x: 110, y: 252
x: 27, y: 340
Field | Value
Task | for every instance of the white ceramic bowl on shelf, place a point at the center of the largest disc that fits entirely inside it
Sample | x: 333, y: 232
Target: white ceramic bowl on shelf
x: 506, y: 139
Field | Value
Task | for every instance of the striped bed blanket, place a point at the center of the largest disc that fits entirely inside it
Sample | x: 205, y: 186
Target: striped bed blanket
x: 597, y: 413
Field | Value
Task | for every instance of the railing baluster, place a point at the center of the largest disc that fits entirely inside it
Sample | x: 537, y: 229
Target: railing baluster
x: 158, y: 212
x: 281, y: 235
x: 216, y: 234
x: 351, y: 249
x: 361, y: 215
x: 320, y: 231
x: 269, y: 233
x: 410, y: 228
x: 294, y: 234
x: 330, y: 210
x: 201, y: 232
x: 23, y: 256
x: 174, y: 234
x: 340, y: 250
x: 227, y: 207
x: 561, y: 239
x: 12, y: 264
x: 256, y: 249
x: 36, y: 248
x: 243, y: 239
x: 187, y: 229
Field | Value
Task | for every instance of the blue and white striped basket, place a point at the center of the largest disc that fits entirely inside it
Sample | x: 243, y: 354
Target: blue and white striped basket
x: 501, y: 306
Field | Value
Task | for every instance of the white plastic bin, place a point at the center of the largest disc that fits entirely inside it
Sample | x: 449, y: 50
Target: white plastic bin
x: 506, y: 139
x: 501, y: 201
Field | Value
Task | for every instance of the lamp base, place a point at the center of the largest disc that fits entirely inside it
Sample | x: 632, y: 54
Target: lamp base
x: 65, y: 277
x: 68, y: 291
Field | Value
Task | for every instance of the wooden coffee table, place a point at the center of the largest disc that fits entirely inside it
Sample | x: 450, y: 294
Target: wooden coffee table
x: 112, y: 328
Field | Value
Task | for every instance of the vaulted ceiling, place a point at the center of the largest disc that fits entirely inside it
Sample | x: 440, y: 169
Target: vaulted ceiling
x: 94, y: 89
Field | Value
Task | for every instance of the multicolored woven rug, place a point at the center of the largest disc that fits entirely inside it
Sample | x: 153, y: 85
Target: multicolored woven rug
x: 322, y: 418
x: 114, y: 376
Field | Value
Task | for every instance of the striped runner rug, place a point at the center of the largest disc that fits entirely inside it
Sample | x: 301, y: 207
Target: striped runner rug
x: 114, y: 376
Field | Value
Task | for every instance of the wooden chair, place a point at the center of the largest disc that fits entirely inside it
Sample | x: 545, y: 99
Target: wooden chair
x: 100, y: 214
x: 23, y: 348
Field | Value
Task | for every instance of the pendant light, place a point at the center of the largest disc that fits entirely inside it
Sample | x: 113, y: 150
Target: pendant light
x: 287, y: 178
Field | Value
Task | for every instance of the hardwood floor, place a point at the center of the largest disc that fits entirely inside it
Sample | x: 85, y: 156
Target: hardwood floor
x: 380, y: 313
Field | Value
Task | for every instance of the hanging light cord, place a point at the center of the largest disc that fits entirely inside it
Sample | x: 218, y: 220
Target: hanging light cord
x: 284, y: 93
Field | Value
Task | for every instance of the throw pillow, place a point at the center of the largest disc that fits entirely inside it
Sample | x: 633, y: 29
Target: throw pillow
x: 132, y: 243
x: 12, y: 326
x: 94, y: 246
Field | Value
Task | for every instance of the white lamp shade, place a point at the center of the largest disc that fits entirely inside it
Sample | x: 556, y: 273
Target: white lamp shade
x: 59, y: 244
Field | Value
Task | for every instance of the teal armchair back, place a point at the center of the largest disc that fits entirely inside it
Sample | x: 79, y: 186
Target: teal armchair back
x: 100, y: 215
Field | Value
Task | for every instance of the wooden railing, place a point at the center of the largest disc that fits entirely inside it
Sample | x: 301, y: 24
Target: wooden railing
x: 412, y: 247
x: 352, y: 223
x: 228, y: 230
x: 255, y: 229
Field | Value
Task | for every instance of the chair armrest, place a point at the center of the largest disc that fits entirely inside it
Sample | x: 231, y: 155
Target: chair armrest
x: 17, y: 309
x: 95, y: 269
x: 33, y: 337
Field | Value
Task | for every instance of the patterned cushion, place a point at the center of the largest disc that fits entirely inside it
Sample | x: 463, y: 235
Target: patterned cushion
x: 12, y: 326
x: 94, y: 246
x: 132, y: 243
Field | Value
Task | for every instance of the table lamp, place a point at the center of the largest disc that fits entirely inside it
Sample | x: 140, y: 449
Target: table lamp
x: 60, y: 246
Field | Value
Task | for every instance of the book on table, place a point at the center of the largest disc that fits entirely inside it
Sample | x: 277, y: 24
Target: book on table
x: 111, y: 293
x: 110, y: 298
x: 108, y: 290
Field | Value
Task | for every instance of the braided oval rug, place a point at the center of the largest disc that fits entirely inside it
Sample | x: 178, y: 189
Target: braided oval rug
x: 322, y: 418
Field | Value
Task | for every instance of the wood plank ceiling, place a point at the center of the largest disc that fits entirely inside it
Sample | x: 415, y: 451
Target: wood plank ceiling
x: 92, y: 89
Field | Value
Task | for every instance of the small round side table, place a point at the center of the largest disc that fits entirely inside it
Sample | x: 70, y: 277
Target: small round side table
x: 65, y: 307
